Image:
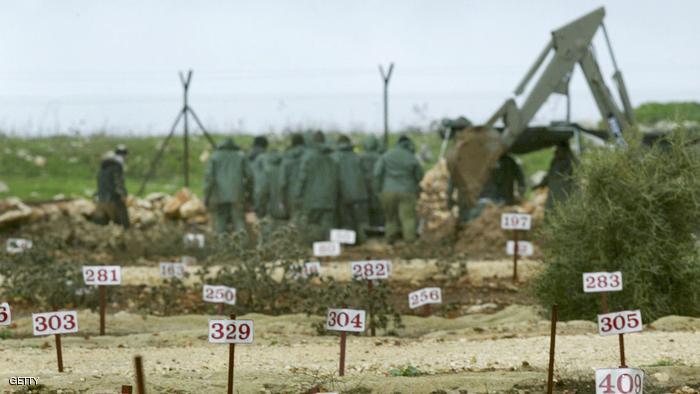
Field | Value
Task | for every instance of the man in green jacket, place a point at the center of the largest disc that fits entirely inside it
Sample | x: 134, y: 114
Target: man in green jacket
x: 227, y: 182
x: 397, y: 175
x: 257, y: 158
x: 289, y: 176
x: 318, y: 189
x: 111, y: 189
x: 559, y: 177
x: 368, y: 158
x: 274, y: 211
x: 352, y: 210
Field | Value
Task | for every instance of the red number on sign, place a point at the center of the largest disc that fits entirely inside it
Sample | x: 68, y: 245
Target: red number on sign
x: 69, y: 322
x: 41, y: 323
x: 231, y: 331
x: 434, y: 295
x: 244, y: 332
x: 606, y: 384
x: 607, y: 326
x: 602, y: 281
x: 619, y: 322
x: 343, y: 319
x: 229, y: 295
x: 102, y: 275
x: 414, y: 299
x: 356, y: 321
x: 369, y: 270
x: 332, y: 319
x: 3, y: 314
x: 54, y: 322
x: 210, y: 293
x: 632, y: 320
x: 381, y: 269
x: 590, y: 282
x: 357, y: 270
x: 218, y: 331
x: 89, y: 275
x: 615, y: 280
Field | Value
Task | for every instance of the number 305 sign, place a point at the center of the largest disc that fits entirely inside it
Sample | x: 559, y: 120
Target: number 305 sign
x: 620, y: 322
x: 619, y: 381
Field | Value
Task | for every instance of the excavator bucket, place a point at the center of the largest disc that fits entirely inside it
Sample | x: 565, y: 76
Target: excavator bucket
x: 471, y: 160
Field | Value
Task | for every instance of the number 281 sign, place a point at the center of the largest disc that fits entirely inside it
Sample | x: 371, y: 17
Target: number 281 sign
x: 619, y: 381
x: 345, y: 320
x: 50, y: 323
x: 102, y: 275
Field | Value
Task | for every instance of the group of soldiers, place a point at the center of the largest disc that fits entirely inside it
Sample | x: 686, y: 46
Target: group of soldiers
x: 317, y: 185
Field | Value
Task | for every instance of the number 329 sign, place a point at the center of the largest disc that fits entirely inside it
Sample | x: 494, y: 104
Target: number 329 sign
x: 231, y: 331
x: 345, y: 320
x: 619, y: 381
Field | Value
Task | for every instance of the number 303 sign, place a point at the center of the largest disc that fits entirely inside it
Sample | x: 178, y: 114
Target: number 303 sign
x: 50, y: 323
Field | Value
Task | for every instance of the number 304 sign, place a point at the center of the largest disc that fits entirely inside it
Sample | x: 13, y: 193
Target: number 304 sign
x: 345, y: 320
x: 231, y: 331
x: 619, y: 381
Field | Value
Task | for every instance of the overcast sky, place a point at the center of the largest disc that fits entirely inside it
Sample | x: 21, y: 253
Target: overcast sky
x: 267, y: 65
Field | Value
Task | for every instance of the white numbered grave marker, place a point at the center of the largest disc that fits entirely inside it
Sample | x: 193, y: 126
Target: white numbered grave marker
x: 623, y: 322
x: 102, y: 275
x: 619, y: 381
x: 172, y: 270
x: 516, y: 221
x: 525, y: 248
x: 192, y: 239
x: 219, y: 294
x: 428, y: 295
x: 371, y: 269
x: 5, y: 314
x: 326, y: 249
x: 345, y: 320
x: 231, y: 331
x: 311, y: 268
x: 18, y: 245
x: 597, y: 282
x: 343, y: 236
x: 50, y: 323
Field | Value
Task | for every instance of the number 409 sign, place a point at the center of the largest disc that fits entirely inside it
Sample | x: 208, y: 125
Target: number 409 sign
x: 619, y: 381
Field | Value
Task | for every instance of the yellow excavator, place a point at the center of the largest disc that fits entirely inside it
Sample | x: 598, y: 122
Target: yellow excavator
x: 477, y: 149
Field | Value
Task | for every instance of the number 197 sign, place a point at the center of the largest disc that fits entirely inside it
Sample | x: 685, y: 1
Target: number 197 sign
x: 516, y: 221
x: 619, y: 381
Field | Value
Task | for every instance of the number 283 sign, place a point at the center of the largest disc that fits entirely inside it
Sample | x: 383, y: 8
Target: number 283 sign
x: 50, y: 323
x: 596, y: 282
x: 619, y: 381
x: 231, y: 331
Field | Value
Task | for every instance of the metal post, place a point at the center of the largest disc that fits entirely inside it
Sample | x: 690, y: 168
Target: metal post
x: 101, y: 294
x: 231, y: 358
x: 623, y: 364
x: 185, y: 137
x: 140, y: 383
x: 127, y: 389
x: 370, y: 309
x: 604, y: 302
x: 385, y: 79
x: 552, y: 344
x: 341, y: 368
x: 515, y: 256
x: 59, y: 352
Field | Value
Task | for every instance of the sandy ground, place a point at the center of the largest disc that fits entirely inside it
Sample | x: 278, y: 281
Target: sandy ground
x: 478, y: 353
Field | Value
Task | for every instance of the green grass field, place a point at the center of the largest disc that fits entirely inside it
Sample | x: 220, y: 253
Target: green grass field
x: 72, y: 162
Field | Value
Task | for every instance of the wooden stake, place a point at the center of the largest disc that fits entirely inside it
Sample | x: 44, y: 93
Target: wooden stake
x: 623, y: 364
x: 101, y: 293
x: 515, y: 256
x: 428, y: 310
x: 341, y: 368
x: 59, y: 352
x: 220, y: 309
x: 370, y: 309
x: 231, y: 359
x: 127, y: 389
x: 604, y: 302
x: 140, y: 384
x: 552, y: 344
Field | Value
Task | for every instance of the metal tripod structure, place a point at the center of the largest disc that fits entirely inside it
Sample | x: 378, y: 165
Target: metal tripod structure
x: 386, y: 76
x: 183, y: 114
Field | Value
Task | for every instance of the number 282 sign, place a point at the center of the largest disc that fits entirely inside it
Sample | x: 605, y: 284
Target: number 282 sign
x: 619, y: 381
x: 371, y: 269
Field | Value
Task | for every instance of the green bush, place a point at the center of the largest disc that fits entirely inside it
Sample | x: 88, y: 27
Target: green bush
x: 650, y: 113
x: 637, y: 211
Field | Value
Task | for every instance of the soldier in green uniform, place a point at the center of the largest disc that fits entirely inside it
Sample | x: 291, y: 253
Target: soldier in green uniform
x: 290, y: 176
x: 318, y: 189
x: 274, y: 211
x: 500, y: 188
x: 352, y: 209
x: 257, y: 158
x: 559, y: 176
x: 368, y: 158
x: 227, y: 183
x: 397, y: 175
x: 111, y: 189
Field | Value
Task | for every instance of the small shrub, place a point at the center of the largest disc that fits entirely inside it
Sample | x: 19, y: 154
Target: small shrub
x: 637, y: 211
